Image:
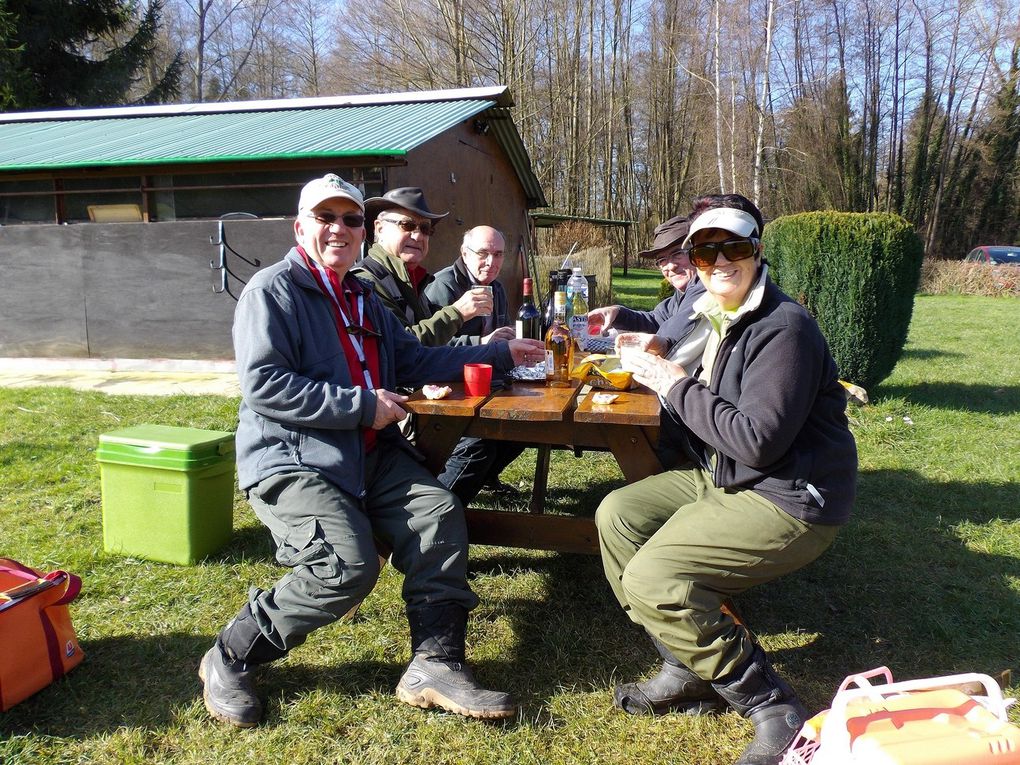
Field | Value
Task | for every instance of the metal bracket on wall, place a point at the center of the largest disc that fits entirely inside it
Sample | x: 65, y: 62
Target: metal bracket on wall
x: 220, y: 264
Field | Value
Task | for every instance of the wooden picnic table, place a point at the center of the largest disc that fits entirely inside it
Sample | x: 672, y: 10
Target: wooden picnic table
x: 545, y: 417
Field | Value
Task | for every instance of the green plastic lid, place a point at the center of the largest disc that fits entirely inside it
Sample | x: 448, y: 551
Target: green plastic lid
x: 166, y: 447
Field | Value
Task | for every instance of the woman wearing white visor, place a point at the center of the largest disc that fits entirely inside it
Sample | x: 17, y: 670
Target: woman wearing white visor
x: 751, y: 397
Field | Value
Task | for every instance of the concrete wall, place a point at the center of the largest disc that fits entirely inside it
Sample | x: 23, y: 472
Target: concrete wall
x: 125, y: 290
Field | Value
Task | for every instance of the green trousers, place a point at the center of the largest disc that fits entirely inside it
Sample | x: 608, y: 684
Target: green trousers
x: 675, y: 548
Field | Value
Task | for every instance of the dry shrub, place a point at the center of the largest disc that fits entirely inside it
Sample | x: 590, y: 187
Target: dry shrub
x: 954, y: 277
x: 571, y: 234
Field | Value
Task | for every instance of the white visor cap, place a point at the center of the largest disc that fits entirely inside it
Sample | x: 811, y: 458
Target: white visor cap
x: 330, y: 186
x: 728, y: 219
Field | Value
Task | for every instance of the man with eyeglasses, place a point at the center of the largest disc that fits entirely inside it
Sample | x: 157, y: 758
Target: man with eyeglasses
x: 403, y: 224
x: 671, y: 257
x: 476, y: 462
x: 325, y: 468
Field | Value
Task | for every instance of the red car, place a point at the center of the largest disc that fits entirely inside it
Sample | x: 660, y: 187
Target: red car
x: 995, y: 255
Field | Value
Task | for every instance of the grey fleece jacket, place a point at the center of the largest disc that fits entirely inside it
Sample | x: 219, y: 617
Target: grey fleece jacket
x: 775, y: 414
x: 299, y: 408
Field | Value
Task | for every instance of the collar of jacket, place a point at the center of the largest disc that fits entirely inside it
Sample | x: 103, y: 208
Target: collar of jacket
x: 393, y: 264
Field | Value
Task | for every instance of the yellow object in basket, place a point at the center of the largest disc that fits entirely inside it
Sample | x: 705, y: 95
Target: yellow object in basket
x: 600, y: 370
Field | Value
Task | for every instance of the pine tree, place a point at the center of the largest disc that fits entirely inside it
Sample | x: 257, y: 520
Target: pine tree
x: 65, y: 53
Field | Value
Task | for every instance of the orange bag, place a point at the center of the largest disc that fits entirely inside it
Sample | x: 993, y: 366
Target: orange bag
x: 37, y: 642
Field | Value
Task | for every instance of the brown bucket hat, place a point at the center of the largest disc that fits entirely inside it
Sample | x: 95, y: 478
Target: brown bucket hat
x: 410, y: 198
x: 666, y: 234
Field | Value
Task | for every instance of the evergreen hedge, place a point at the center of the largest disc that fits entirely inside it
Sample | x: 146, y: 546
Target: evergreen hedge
x: 857, y: 274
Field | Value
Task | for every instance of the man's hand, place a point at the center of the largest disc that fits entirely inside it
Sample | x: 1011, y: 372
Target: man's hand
x: 388, y: 408
x: 474, y: 302
x: 527, y: 351
x: 503, y: 333
x: 655, y: 372
x: 603, y: 317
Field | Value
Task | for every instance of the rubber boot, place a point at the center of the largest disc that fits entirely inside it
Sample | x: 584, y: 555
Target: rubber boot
x: 674, y: 689
x: 226, y: 670
x: 759, y: 694
x: 438, y: 676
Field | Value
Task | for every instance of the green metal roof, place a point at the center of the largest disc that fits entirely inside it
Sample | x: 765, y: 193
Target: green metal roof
x: 385, y: 125
x: 383, y: 129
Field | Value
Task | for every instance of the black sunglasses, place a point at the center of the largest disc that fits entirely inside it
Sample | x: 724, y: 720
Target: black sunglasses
x: 704, y: 255
x: 359, y: 331
x: 409, y: 226
x: 351, y: 220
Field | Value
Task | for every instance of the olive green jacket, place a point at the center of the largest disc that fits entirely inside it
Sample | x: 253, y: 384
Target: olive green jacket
x: 432, y: 325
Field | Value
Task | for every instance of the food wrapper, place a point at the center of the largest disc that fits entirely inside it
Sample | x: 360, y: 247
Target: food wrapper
x: 600, y: 370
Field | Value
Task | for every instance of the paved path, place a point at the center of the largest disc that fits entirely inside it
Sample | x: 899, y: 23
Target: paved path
x: 140, y: 377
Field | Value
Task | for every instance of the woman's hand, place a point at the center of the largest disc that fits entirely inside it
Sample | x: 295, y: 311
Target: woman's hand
x: 642, y: 341
x: 655, y: 372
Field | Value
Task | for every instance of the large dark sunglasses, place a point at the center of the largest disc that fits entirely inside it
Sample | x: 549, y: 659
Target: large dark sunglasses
x: 704, y: 255
x: 409, y: 226
x: 351, y: 220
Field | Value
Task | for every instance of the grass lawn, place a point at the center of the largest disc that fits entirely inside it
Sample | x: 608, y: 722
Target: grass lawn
x: 925, y: 579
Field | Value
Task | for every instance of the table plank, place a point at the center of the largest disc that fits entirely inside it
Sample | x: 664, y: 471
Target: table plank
x: 530, y: 402
x: 632, y: 407
x: 560, y: 533
x: 457, y: 404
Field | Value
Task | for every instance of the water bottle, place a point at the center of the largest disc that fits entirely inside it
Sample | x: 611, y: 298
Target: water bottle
x: 577, y: 303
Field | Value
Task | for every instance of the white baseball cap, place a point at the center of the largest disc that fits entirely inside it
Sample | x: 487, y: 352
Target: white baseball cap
x: 728, y: 219
x: 329, y: 186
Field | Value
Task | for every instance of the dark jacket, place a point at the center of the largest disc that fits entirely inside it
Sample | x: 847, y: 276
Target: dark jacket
x: 432, y: 325
x: 299, y: 407
x: 775, y: 414
x: 452, y: 282
x: 670, y: 316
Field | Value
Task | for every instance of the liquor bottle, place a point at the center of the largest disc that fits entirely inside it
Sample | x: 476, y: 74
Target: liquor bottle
x: 529, y: 320
x: 557, y: 278
x: 558, y: 346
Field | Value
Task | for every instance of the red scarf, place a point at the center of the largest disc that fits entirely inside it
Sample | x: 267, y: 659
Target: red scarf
x: 350, y: 288
x: 417, y: 274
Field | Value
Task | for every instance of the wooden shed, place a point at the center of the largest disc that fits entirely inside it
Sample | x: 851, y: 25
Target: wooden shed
x: 125, y: 232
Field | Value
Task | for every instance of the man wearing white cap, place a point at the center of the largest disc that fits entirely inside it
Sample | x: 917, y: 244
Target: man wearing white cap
x: 325, y: 468
x: 751, y: 398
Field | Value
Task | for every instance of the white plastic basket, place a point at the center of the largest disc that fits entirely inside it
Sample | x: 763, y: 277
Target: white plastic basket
x: 829, y: 743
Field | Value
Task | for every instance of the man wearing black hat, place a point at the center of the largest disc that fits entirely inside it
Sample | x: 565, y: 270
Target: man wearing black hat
x: 403, y: 224
x: 672, y: 259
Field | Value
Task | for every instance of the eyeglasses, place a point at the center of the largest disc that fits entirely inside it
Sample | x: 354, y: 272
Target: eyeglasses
x: 704, y: 255
x: 351, y: 220
x: 484, y: 253
x: 409, y: 226
x: 676, y: 258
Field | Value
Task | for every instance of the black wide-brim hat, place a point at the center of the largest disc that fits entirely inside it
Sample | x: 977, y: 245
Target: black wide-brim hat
x: 666, y: 234
x: 410, y: 198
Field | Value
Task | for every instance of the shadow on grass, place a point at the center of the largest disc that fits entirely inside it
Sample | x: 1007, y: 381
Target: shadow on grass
x: 900, y: 587
x: 987, y: 399
x: 925, y: 354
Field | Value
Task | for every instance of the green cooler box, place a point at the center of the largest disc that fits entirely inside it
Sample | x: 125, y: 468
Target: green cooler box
x: 168, y: 493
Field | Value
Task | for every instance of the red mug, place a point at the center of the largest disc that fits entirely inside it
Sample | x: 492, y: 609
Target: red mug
x: 477, y: 379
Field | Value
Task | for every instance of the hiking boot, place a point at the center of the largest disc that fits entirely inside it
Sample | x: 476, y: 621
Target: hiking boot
x: 759, y: 694
x: 674, y: 689
x: 450, y: 685
x: 229, y: 694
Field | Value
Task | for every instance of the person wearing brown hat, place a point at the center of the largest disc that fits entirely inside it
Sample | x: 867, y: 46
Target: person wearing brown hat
x: 403, y: 224
x: 671, y: 257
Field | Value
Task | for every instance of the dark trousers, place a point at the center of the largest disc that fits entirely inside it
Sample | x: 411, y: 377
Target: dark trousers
x: 473, y: 462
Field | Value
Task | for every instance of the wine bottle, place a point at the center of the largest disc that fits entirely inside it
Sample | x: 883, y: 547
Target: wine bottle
x: 558, y: 345
x: 529, y: 320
